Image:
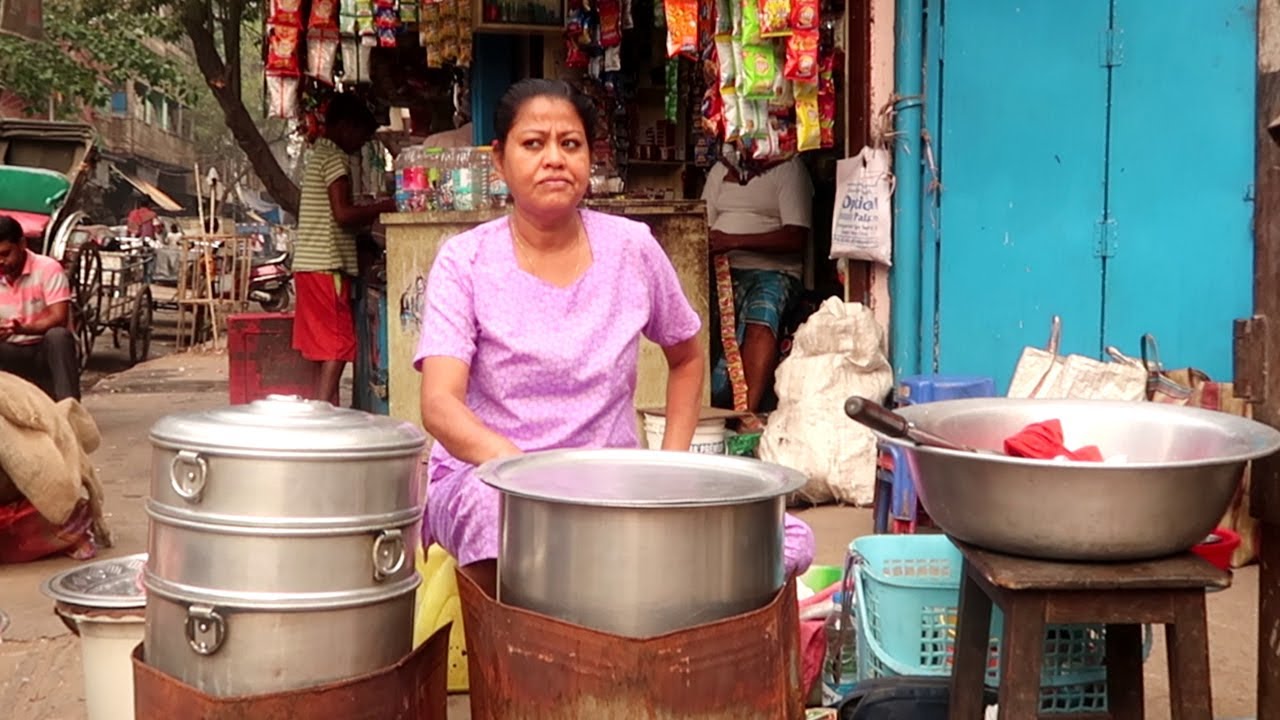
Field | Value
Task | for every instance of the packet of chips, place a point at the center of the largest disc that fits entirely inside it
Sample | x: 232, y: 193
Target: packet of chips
x: 324, y: 15
x: 322, y: 54
x: 808, y: 127
x: 732, y: 107
x: 725, y: 13
x: 282, y: 50
x: 757, y: 71
x: 827, y: 100
x: 755, y: 119
x: 347, y: 17
x: 727, y: 61
x: 672, y: 105
x: 282, y: 97
x: 286, y: 13
x: 682, y: 28
x: 775, y: 17
x: 748, y: 30
x: 610, y: 12
x: 805, y: 15
x: 802, y: 56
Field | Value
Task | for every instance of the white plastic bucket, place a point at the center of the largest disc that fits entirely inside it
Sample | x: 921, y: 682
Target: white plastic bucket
x: 107, y: 641
x: 708, y: 436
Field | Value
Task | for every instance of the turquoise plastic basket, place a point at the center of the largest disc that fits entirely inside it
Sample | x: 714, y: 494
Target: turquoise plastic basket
x: 908, y: 590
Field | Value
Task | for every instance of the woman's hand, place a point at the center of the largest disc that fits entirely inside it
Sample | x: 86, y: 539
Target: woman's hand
x: 686, y: 367
x: 447, y: 418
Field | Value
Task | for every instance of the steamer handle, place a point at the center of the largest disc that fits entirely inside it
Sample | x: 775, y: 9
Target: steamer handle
x: 190, y: 486
x: 388, y: 554
x: 206, y: 630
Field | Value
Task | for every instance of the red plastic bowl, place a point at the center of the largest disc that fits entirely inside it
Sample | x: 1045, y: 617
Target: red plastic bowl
x: 1218, y: 548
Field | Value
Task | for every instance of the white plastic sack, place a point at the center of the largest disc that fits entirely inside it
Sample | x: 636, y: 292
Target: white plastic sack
x: 861, y: 224
x: 838, y: 352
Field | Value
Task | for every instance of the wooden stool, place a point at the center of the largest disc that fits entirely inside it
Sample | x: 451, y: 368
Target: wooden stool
x: 1121, y: 596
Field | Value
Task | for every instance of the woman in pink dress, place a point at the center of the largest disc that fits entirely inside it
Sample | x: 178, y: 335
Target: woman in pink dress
x: 531, y: 326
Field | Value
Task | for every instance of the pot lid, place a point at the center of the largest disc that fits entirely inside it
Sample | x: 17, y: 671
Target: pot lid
x: 114, y: 583
x: 288, y: 425
x: 639, y: 478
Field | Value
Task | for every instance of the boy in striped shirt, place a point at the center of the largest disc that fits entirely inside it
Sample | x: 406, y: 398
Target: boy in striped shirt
x: 324, y: 260
x: 35, y: 299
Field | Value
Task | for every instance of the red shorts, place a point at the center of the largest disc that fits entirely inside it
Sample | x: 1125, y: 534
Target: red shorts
x: 323, y: 325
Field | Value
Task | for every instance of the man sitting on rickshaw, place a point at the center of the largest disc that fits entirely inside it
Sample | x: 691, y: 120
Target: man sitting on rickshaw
x: 35, y: 299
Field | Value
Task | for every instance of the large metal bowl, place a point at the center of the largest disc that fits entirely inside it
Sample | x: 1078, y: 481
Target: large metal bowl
x: 1180, y: 469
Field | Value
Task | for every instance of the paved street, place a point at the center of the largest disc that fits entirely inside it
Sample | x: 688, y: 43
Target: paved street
x: 39, y: 659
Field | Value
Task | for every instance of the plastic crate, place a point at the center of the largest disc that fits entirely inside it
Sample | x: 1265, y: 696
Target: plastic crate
x: 908, y: 591
x: 919, y: 389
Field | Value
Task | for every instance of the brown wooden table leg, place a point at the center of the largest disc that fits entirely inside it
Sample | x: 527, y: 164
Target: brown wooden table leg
x: 1021, y: 656
x: 1124, y: 672
x: 1190, y: 694
x: 1269, y: 619
x: 973, y: 628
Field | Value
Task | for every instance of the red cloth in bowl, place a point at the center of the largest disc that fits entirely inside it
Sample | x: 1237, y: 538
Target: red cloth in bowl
x: 1044, y: 441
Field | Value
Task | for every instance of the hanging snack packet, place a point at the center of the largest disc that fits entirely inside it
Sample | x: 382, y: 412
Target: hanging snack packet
x: 672, y: 105
x: 347, y: 17
x: 724, y: 17
x: 749, y: 28
x: 464, y: 50
x: 282, y: 97
x: 808, y: 129
x: 827, y: 100
x: 286, y: 12
x: 610, y: 12
x: 364, y: 18
x: 682, y: 28
x: 805, y: 15
x: 802, y: 57
x: 712, y: 112
x: 282, y: 50
x: 726, y: 61
x: 322, y: 54
x: 784, y: 98
x: 732, y: 108
x: 775, y: 17
x: 324, y: 15
x: 757, y: 72
x: 350, y: 47
x: 409, y: 12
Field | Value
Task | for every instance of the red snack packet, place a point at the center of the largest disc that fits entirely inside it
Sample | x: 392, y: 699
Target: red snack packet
x: 682, y: 28
x: 827, y: 100
x: 805, y: 15
x: 802, y: 57
x: 286, y: 12
x: 282, y: 50
x: 610, y: 23
x: 324, y: 15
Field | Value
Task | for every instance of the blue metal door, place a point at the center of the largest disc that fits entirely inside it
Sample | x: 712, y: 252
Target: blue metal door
x: 1095, y: 158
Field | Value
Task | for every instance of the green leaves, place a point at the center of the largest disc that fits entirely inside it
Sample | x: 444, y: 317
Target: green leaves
x: 90, y: 48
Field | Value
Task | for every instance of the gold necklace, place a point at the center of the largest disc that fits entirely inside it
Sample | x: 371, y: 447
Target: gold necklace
x: 523, y: 248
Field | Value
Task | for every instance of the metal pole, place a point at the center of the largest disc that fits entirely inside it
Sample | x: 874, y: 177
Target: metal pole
x: 905, y: 282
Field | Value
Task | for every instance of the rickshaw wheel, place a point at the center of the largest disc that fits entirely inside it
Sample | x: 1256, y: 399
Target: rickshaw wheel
x: 140, y: 327
x: 84, y: 342
x: 86, y: 272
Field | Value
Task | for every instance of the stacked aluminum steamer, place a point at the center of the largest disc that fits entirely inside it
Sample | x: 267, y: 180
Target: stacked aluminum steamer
x: 281, y: 546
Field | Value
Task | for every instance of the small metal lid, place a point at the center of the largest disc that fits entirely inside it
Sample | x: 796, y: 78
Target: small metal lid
x: 639, y: 478
x: 287, y: 425
x: 113, y: 584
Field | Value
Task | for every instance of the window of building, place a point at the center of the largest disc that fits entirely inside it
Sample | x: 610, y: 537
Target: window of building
x: 119, y: 105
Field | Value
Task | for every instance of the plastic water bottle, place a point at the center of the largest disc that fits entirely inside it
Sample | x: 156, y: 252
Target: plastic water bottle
x: 840, y: 667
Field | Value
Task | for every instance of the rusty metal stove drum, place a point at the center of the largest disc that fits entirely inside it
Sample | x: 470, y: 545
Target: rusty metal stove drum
x: 281, y: 545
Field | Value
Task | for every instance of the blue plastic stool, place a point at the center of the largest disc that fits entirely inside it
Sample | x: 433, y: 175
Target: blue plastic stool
x: 920, y: 389
x: 896, y: 507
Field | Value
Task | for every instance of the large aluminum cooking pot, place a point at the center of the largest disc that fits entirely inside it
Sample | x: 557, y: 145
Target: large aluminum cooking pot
x: 636, y: 542
x: 1173, y: 474
x: 281, y: 545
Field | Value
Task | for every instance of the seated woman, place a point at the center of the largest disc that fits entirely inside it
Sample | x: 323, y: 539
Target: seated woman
x: 530, y: 329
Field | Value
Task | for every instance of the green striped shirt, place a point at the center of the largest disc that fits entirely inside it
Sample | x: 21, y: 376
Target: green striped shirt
x: 323, y: 245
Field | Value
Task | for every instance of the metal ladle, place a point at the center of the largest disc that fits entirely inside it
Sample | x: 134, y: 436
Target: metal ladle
x: 887, y: 422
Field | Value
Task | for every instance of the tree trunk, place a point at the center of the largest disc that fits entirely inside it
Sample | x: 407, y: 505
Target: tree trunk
x: 237, y: 117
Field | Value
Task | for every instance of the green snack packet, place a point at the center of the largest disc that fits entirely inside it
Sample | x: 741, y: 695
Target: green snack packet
x: 757, y: 72
x: 742, y: 445
x: 673, y: 90
x: 750, y: 25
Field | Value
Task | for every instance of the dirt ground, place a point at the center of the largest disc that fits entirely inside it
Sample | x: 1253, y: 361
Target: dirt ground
x: 40, y: 673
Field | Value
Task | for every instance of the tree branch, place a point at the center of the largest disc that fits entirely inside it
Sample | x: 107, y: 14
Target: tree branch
x: 231, y: 26
x: 239, y: 121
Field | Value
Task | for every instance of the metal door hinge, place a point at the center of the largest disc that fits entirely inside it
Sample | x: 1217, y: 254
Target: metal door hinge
x: 1104, y: 242
x: 1112, y: 47
x: 1251, y: 367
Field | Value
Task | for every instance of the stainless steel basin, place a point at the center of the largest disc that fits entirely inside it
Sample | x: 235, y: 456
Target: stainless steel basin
x: 1180, y: 469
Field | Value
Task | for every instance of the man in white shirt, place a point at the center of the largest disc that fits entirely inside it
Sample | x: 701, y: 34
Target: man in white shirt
x: 763, y: 225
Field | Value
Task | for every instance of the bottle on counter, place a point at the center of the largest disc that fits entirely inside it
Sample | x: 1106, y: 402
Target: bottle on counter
x: 840, y: 666
x: 492, y: 188
x: 464, y: 185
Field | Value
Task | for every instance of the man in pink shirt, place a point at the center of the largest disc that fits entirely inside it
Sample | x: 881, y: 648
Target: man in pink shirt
x: 35, y: 342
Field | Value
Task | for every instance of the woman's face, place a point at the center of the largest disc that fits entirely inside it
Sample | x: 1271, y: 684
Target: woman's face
x: 544, y: 158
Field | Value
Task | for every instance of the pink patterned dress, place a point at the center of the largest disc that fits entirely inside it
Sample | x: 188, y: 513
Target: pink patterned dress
x: 551, y: 367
